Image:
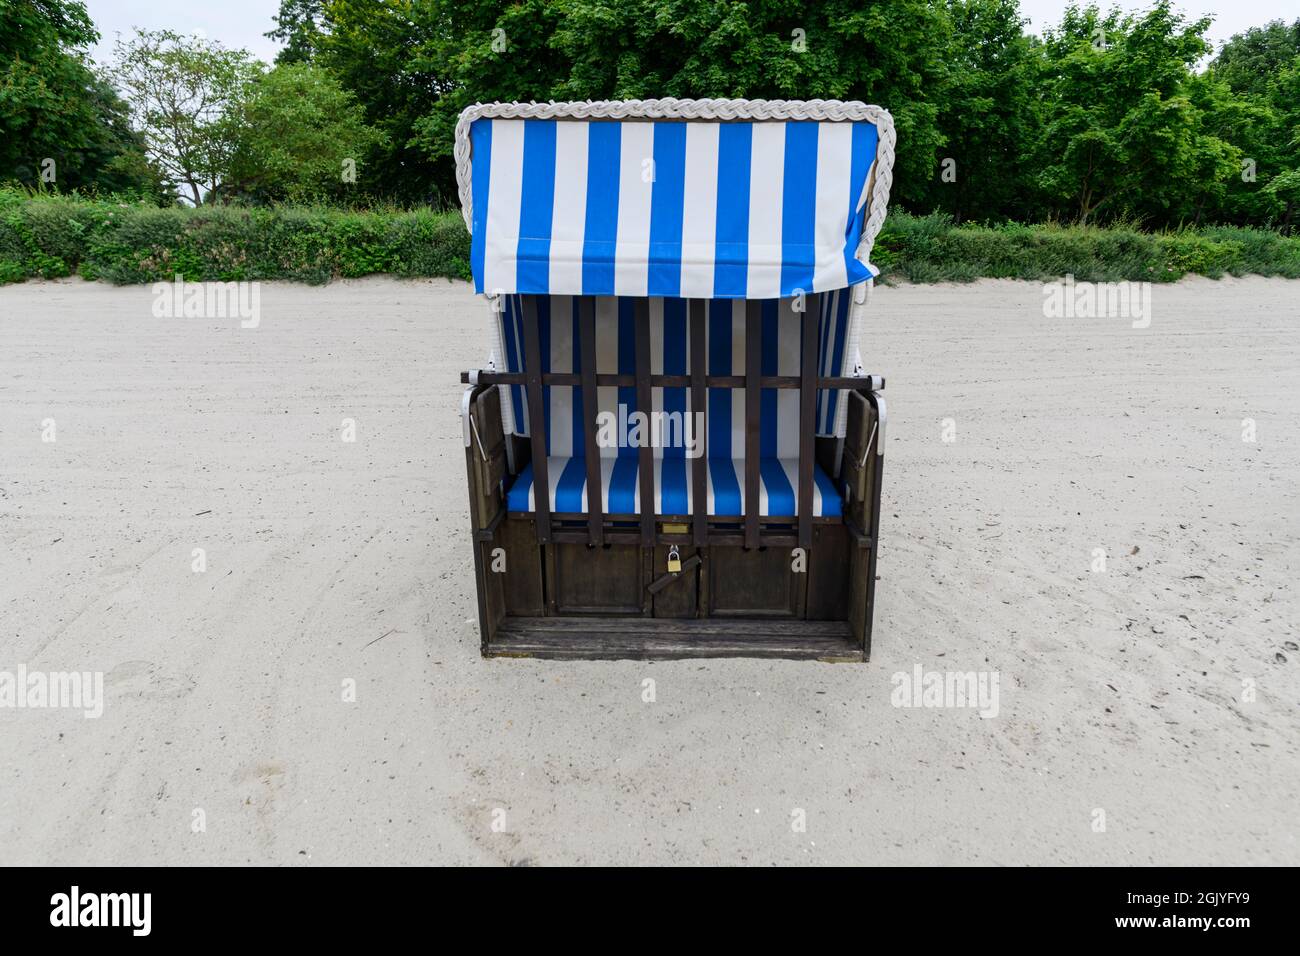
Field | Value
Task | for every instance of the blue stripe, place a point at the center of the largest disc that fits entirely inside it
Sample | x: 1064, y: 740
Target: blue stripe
x: 840, y: 331
x: 622, y: 486
x: 480, y: 140
x: 575, y: 394
x: 780, y: 496
x: 767, y: 446
x: 601, y: 231
x: 719, y: 423
x: 537, y: 209
x: 832, y: 505
x: 863, y: 152
x: 568, y: 494
x: 726, y: 489
x: 673, y: 471
x: 517, y: 496
x: 673, y: 495
x: 823, y: 326
x: 514, y: 362
x: 667, y: 196
x: 674, y: 403
x: 544, y: 338
x: 731, y: 247
x: 799, y: 208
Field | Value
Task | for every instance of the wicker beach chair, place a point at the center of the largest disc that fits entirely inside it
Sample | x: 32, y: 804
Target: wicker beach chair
x: 673, y: 449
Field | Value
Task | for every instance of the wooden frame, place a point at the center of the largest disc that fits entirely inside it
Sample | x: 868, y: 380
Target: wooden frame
x: 572, y: 579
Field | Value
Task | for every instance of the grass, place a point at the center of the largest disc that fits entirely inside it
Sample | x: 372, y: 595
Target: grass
x: 46, y: 235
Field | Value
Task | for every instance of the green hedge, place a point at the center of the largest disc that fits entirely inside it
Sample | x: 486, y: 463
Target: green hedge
x: 51, y: 236
x: 932, y: 249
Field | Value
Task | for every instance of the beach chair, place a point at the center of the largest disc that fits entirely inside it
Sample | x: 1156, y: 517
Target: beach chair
x: 673, y: 450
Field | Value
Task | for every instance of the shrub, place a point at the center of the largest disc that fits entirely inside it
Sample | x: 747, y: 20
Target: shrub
x: 129, y: 241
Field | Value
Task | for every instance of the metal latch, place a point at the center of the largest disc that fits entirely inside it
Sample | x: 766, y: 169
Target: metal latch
x: 675, y: 568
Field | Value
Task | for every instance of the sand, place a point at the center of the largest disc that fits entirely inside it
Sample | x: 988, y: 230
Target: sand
x: 1161, y: 691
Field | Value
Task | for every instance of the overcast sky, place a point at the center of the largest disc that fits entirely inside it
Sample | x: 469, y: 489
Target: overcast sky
x: 241, y: 23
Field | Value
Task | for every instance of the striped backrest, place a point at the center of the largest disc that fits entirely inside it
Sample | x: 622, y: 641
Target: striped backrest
x: 739, y: 209
x: 725, y: 423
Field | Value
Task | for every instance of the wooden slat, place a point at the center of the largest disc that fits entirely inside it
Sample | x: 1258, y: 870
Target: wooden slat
x: 645, y: 455
x: 630, y: 637
x: 807, y: 419
x: 590, y: 408
x: 536, y: 418
x: 609, y: 380
x: 753, y: 411
x: 698, y: 466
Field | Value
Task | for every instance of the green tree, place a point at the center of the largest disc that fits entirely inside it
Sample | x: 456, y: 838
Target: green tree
x: 1121, y: 136
x: 1262, y: 69
x: 180, y: 89
x: 415, y: 64
x: 57, y: 117
x: 296, y: 135
x: 297, y: 26
x: 882, y: 51
x: 988, y: 115
x: 1248, y: 61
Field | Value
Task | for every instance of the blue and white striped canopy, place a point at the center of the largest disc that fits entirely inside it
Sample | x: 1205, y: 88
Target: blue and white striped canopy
x: 691, y: 209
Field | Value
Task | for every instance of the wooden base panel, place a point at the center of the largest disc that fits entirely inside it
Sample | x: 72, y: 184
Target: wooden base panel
x: 637, y: 638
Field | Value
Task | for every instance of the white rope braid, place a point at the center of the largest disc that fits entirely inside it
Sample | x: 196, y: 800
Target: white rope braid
x: 833, y: 110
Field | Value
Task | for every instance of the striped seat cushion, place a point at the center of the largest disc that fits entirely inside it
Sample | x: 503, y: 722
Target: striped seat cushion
x: 620, y: 489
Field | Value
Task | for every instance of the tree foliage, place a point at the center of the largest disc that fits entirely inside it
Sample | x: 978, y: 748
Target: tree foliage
x: 180, y: 89
x: 1108, y: 116
x: 60, y: 123
x: 297, y: 135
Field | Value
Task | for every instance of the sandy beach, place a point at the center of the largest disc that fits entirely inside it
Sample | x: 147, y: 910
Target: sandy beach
x: 314, y: 693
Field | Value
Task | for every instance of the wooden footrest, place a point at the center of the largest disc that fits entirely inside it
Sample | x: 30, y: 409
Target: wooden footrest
x: 641, y: 638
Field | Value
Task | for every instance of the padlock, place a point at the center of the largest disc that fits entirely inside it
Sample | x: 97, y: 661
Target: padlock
x: 674, y: 560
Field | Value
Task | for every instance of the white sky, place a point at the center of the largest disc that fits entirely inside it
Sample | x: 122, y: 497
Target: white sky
x: 241, y: 23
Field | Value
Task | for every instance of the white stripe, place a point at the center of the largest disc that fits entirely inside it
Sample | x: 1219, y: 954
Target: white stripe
x: 569, y: 220
x: 823, y: 362
x: 766, y: 197
x: 635, y: 183
x: 561, y: 361
x: 700, y: 210
x: 505, y: 187
x: 851, y: 349
x: 787, y: 363
x: 607, y: 364
x: 834, y: 164
x: 606, y: 479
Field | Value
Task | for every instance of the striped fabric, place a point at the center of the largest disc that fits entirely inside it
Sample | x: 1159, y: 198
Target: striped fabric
x: 621, y: 491
x: 724, y: 425
x: 719, y: 210
x: 670, y: 354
